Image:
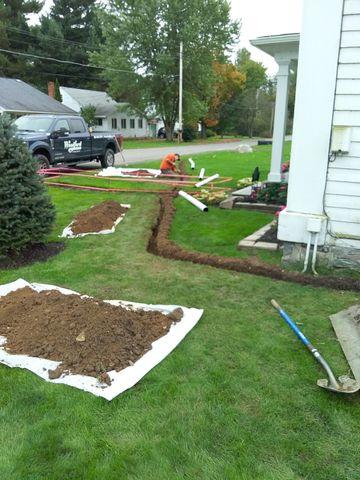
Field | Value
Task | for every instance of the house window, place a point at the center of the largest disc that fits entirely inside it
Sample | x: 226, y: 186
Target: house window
x: 132, y: 122
x: 114, y: 123
x: 123, y: 123
x: 140, y: 123
x: 99, y: 122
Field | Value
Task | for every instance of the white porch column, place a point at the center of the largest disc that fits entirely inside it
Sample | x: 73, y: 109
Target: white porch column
x: 314, y: 104
x: 280, y: 120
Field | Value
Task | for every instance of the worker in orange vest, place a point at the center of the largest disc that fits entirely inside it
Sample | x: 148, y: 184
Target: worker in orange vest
x: 168, y: 165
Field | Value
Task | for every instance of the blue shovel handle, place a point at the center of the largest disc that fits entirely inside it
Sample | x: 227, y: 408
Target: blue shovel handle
x: 332, y: 380
x: 291, y: 324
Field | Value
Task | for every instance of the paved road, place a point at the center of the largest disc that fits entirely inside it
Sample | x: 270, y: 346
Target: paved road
x: 140, y: 155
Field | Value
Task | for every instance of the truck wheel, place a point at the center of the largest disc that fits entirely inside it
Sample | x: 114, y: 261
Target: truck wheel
x: 108, y: 159
x: 42, y: 161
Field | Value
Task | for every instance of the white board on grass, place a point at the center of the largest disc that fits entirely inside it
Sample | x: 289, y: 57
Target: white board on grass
x: 120, y: 381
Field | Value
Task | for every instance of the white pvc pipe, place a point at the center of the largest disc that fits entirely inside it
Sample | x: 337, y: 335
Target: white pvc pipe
x: 307, y: 254
x: 313, y: 263
x: 202, y: 174
x: 207, y: 180
x: 193, y: 200
x: 192, y: 164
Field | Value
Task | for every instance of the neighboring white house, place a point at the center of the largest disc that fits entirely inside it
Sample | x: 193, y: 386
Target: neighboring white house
x: 109, y: 114
x: 324, y: 181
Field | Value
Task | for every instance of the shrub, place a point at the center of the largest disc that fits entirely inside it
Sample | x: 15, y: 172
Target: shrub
x: 189, y: 133
x: 274, y: 193
x: 26, y: 212
x: 210, y: 133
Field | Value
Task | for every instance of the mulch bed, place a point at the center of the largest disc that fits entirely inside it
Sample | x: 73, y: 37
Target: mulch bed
x: 35, y: 252
x: 270, y: 236
x: 97, y: 218
x: 87, y: 335
x: 160, y: 244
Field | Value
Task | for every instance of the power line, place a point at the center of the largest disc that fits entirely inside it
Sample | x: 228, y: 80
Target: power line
x: 56, y: 74
x: 68, y: 62
x: 64, y: 40
x: 51, y: 59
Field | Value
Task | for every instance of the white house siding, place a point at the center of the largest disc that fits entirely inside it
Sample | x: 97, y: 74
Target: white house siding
x: 69, y: 101
x: 126, y: 132
x: 342, y: 198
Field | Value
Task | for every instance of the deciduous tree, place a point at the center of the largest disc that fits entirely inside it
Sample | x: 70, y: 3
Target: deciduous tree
x: 143, y: 38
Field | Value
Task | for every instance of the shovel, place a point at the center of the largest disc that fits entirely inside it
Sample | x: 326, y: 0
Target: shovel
x: 344, y: 384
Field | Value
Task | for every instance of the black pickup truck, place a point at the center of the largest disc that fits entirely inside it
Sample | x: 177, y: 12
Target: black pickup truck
x: 56, y: 139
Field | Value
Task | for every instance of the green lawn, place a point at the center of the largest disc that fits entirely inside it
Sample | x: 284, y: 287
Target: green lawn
x: 226, y: 163
x: 237, y: 400
x: 230, y: 163
x: 219, y: 231
x: 131, y: 143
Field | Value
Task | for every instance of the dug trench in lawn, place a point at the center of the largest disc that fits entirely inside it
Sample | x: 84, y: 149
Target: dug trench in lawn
x: 97, y: 218
x: 89, y: 336
x: 160, y: 244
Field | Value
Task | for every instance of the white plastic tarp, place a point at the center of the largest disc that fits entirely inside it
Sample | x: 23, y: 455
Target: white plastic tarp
x: 120, y: 381
x: 68, y: 233
x: 128, y: 172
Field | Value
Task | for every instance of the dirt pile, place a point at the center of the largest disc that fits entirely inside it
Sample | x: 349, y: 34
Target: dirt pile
x: 97, y: 218
x: 139, y: 173
x: 87, y: 335
x: 160, y: 244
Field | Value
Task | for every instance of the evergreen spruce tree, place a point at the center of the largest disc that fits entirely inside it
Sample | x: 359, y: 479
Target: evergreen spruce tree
x: 26, y: 211
x: 69, y: 32
x: 13, y: 30
x: 57, y: 94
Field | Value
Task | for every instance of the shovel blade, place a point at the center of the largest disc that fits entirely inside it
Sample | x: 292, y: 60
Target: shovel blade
x: 346, y: 385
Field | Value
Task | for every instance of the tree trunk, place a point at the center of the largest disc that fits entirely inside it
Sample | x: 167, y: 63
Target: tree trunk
x: 169, y: 129
x: 203, y: 129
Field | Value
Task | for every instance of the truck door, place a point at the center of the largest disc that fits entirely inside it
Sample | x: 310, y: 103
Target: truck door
x: 61, y: 131
x: 80, y: 140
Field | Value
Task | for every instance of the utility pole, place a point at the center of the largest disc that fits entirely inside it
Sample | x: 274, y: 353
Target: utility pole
x: 180, y: 134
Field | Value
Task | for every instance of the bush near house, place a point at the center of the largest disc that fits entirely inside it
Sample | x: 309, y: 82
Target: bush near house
x: 26, y: 211
x: 273, y: 193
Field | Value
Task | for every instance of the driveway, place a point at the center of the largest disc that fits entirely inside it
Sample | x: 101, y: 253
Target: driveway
x: 139, y: 155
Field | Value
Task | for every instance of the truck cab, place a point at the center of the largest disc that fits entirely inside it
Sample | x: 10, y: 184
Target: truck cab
x: 54, y: 139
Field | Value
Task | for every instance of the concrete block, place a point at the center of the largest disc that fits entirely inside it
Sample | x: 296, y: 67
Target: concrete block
x: 245, y: 243
x: 267, y: 245
x: 228, y: 203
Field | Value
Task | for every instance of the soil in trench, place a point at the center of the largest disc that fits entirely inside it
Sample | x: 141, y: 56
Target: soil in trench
x: 87, y: 335
x: 97, y: 218
x: 161, y: 245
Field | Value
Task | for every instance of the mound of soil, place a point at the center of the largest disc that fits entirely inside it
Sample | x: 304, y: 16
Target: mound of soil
x: 97, y: 218
x: 35, y: 252
x: 139, y: 173
x: 160, y: 244
x: 87, y: 335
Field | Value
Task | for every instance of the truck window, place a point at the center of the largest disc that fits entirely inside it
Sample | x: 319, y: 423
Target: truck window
x: 62, y: 124
x: 77, y: 125
x: 34, y: 124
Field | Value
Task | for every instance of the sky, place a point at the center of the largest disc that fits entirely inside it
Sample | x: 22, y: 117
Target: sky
x: 258, y: 18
